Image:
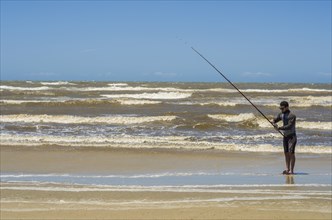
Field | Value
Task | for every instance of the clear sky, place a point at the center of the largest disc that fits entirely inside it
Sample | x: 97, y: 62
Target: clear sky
x: 249, y: 41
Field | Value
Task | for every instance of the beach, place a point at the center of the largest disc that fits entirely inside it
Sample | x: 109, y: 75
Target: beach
x: 105, y: 150
x: 159, y: 185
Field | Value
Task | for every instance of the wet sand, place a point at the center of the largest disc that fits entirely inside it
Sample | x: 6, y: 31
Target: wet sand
x: 31, y: 204
x: 70, y: 201
x: 56, y: 159
x: 111, y: 160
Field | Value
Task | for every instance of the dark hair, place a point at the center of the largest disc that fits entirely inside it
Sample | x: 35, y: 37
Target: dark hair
x: 284, y: 104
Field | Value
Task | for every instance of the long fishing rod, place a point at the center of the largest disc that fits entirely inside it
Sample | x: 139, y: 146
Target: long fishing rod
x: 236, y: 89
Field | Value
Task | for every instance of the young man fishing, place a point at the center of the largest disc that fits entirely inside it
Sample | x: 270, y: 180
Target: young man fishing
x: 288, y: 129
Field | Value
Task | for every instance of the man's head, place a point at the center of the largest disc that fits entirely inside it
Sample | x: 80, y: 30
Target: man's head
x: 284, y: 106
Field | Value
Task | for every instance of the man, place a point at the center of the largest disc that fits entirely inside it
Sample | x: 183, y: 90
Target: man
x: 288, y: 129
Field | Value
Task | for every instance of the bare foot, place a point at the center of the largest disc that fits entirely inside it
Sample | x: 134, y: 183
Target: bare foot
x: 285, y: 172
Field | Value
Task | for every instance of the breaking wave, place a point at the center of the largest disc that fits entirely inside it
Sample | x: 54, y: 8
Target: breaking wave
x: 126, y: 87
x: 261, y: 122
x: 57, y: 83
x: 147, y: 142
x: 69, y: 119
x: 78, y: 102
x: 42, y: 88
x: 159, y: 95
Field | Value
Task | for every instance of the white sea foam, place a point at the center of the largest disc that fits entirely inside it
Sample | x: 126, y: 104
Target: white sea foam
x: 204, y: 103
x: 261, y: 122
x: 110, y: 87
x: 136, y: 176
x: 148, y: 142
x: 145, y: 98
x: 57, y: 83
x: 269, y: 101
x: 299, y: 90
x: 117, y: 88
x: 234, y: 118
x: 299, y: 101
x: 82, y: 101
x: 18, y: 102
x: 77, y: 101
x: 140, y: 176
x: 118, y: 84
x: 158, y: 95
x: 137, y: 102
x: 295, y: 90
x: 42, y: 88
x: 266, y: 189
x: 307, y: 101
x: 126, y: 87
x: 70, y: 119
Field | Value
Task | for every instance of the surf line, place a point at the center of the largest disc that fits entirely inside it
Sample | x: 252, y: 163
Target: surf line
x: 236, y: 89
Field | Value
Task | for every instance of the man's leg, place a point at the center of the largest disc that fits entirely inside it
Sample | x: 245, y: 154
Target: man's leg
x: 287, y: 159
x: 292, y: 143
x: 292, y: 162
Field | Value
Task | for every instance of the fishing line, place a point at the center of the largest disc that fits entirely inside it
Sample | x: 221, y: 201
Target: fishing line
x: 236, y: 89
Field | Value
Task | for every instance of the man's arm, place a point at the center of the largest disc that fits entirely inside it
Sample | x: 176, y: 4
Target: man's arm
x: 277, y: 119
x: 291, y: 122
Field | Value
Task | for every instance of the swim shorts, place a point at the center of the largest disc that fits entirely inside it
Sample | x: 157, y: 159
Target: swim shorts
x: 290, y: 143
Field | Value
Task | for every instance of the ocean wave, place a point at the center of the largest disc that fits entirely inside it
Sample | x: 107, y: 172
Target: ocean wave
x: 301, y: 101
x: 144, y: 175
x: 308, y: 101
x: 142, y: 98
x: 296, y: 90
x: 77, y: 102
x: 159, y: 95
x: 263, y: 123
x: 19, y: 102
x: 204, y: 103
x: 137, y: 102
x: 148, y: 142
x: 69, y: 119
x: 234, y: 118
x: 42, y: 88
x: 295, y: 101
x: 244, y: 186
x: 57, y: 83
x: 118, y: 84
x: 127, y: 87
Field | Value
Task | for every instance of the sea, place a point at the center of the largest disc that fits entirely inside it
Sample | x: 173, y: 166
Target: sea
x: 161, y: 115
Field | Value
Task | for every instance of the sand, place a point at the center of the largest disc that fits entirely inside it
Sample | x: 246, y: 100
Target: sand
x: 121, y: 205
x: 68, y: 201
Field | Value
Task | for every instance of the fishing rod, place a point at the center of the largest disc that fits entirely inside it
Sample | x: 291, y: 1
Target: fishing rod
x: 237, y: 89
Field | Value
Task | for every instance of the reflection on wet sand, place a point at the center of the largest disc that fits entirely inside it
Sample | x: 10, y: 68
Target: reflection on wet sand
x: 290, y: 179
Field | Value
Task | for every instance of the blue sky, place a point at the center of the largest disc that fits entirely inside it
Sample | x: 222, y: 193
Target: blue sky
x: 249, y: 41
